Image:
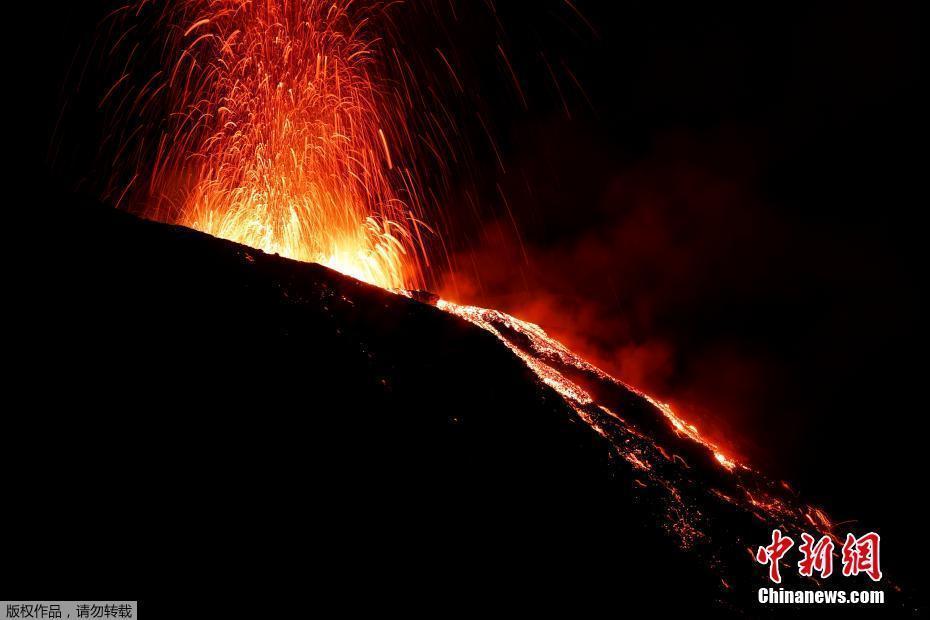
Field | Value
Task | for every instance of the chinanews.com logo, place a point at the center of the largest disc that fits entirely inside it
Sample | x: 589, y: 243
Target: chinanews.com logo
x: 858, y: 555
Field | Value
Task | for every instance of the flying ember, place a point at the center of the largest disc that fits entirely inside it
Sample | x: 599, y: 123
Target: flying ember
x: 271, y: 128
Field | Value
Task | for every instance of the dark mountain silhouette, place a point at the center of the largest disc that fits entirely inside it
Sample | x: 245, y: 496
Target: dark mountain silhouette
x: 229, y: 424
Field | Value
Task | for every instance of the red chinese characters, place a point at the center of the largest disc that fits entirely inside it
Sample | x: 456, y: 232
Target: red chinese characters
x: 773, y: 553
x: 861, y: 555
x: 817, y: 556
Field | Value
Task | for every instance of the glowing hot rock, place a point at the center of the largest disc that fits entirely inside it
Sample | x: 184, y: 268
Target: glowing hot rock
x: 277, y: 135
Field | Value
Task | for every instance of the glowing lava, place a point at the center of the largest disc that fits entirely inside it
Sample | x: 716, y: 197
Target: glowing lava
x: 272, y: 128
x: 690, y: 480
x: 552, y: 361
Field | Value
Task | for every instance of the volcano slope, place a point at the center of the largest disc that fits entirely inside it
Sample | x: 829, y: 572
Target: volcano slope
x: 207, y: 420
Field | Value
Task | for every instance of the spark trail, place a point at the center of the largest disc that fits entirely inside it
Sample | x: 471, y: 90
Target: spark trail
x: 271, y: 125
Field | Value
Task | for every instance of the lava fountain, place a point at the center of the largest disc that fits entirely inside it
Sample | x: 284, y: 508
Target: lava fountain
x: 271, y: 127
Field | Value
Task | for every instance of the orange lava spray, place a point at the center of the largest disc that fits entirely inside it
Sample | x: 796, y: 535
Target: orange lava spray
x: 274, y: 129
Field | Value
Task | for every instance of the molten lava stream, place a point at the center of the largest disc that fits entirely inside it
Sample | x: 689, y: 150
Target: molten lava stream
x: 698, y: 491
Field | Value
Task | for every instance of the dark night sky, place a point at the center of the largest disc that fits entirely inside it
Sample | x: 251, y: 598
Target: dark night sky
x: 727, y: 219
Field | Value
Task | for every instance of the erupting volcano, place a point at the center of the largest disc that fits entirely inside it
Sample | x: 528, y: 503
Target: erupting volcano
x: 298, y: 128
x: 275, y: 124
x: 276, y: 131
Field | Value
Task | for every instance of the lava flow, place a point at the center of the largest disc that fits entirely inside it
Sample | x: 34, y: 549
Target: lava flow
x: 690, y: 481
